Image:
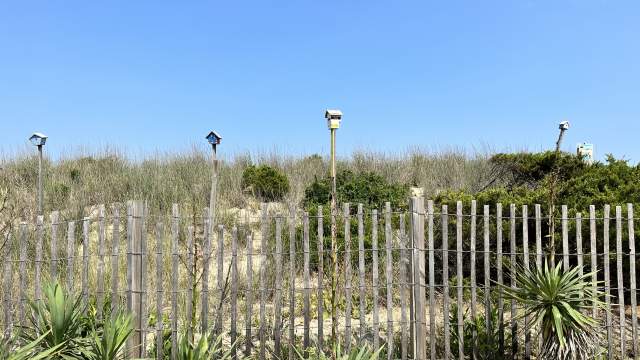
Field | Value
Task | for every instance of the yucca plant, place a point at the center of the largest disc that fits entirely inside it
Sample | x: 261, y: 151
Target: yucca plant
x: 357, y: 353
x: 556, y: 301
x: 27, y: 352
x: 58, y: 322
x: 108, y: 343
x: 204, y: 349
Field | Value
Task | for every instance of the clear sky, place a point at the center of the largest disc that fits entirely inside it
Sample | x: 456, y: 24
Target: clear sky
x: 157, y: 75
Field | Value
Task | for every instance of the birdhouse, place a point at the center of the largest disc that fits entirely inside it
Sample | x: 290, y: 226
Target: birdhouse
x: 38, y: 139
x: 214, y: 138
x: 334, y: 117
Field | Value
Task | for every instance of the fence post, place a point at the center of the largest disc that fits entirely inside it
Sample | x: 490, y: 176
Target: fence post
x: 632, y: 272
x: 38, y: 275
x: 607, y: 281
x: 445, y: 280
x: 100, y: 267
x: 175, y: 235
x: 136, y: 276
x: 419, y: 296
x: 7, y: 285
x: 404, y: 286
x: 53, y: 270
x: 347, y: 275
x: 432, y: 280
x: 374, y: 283
x: 620, y: 278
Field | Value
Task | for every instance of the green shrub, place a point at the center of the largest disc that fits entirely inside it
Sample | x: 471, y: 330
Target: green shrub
x: 367, y: 188
x: 265, y: 182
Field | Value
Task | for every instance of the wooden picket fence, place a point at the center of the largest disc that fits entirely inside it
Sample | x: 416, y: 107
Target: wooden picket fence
x: 410, y: 280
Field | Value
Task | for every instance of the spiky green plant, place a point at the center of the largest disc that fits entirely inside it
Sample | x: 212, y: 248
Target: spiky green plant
x: 556, y: 301
x: 108, y: 343
x: 357, y: 353
x: 204, y: 349
x: 58, y: 322
x: 27, y: 352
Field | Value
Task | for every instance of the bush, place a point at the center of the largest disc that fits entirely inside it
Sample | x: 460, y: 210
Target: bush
x: 265, y: 183
x: 367, y: 188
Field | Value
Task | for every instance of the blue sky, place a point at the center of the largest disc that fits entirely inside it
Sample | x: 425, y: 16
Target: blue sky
x: 157, y: 75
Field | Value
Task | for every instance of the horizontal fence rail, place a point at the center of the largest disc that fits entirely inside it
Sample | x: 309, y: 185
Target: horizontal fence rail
x: 422, y: 283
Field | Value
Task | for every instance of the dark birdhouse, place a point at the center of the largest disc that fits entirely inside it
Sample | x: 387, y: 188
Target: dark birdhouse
x: 214, y: 138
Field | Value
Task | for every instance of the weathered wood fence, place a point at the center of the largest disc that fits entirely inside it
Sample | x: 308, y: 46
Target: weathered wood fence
x: 413, y: 281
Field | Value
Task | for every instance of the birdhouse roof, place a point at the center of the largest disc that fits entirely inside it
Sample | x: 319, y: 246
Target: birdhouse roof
x: 214, y: 134
x: 38, y: 135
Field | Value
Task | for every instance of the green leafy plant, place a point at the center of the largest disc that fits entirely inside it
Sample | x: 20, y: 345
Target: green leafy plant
x: 58, y: 322
x: 557, y: 301
x: 265, y: 182
x: 27, y: 352
x: 204, y: 349
x: 108, y: 343
x: 357, y: 353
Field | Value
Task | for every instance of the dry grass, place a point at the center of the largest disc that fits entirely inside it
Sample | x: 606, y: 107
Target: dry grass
x: 79, y: 180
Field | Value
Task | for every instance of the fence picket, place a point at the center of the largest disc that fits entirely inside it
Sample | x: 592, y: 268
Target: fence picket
x: 389, y: 278
x: 539, y: 254
x: 7, y: 285
x: 565, y: 238
x: 513, y: 249
x: 130, y: 344
x: 38, y: 261
x: 594, y: 258
x: 277, y: 336
x: 221, y: 281
x: 144, y: 278
x: 361, y: 274
x: 53, y: 270
x: 472, y: 275
x: 307, y: 282
x: 206, y: 263
x: 159, y: 292
x: 347, y: 276
x: 85, y: 262
x: 579, y: 244
x: 292, y: 281
x: 459, y: 280
x: 525, y: 247
x: 320, y: 295
x: 234, y: 292
x: 607, y: 282
x: 419, y: 272
x: 486, y: 256
x: 100, y: 268
x: 175, y: 236
x: 115, y: 261
x: 248, y: 341
x: 375, y: 273
x: 22, y: 244
x: 432, y: 280
x: 445, y: 279
x: 620, y: 278
x: 404, y: 288
x: 500, y: 277
x: 71, y: 250
x: 632, y: 280
x: 263, y: 280
x: 190, y: 281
